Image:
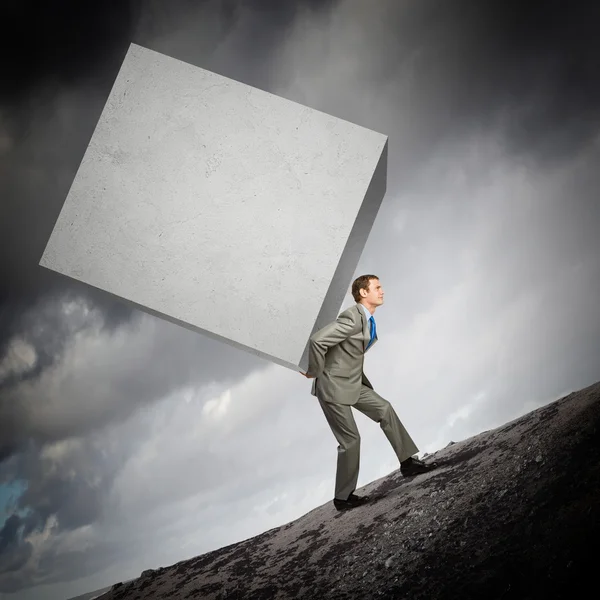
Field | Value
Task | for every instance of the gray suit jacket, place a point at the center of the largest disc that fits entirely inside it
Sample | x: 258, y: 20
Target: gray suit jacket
x: 336, y: 357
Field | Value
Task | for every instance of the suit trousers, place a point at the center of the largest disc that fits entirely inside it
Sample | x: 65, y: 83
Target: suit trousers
x: 342, y: 423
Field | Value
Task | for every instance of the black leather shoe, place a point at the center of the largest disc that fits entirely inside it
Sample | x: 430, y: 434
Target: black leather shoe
x: 352, y: 502
x: 413, y: 466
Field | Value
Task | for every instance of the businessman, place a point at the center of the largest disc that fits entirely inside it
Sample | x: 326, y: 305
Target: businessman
x: 336, y: 357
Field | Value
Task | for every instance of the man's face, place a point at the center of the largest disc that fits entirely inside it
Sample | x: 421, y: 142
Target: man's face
x: 374, y: 293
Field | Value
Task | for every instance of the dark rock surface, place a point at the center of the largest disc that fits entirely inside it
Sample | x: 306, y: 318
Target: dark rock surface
x: 510, y: 513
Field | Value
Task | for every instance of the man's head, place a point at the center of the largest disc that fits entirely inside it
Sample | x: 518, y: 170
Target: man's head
x: 367, y: 290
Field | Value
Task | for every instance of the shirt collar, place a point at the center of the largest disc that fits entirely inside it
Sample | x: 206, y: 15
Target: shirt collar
x: 369, y: 315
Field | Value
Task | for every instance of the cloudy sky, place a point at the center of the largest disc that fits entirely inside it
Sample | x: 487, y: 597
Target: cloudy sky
x: 129, y: 443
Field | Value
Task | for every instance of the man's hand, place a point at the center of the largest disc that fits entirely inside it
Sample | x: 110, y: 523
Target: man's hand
x: 307, y: 376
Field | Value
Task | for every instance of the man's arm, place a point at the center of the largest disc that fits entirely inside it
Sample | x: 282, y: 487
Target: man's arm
x: 342, y: 328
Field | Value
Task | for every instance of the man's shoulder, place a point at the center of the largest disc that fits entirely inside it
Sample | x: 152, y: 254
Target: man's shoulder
x: 352, y: 311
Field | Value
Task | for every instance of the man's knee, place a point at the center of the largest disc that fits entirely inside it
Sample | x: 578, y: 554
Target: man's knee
x: 350, y: 441
x: 385, y: 410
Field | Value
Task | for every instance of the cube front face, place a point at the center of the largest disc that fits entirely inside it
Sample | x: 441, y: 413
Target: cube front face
x: 220, y: 207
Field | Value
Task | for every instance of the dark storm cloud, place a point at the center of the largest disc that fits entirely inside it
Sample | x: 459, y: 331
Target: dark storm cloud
x: 61, y: 42
x: 74, y: 501
x: 528, y: 68
x: 67, y: 488
x: 9, y: 532
x: 112, y: 385
x: 54, y: 565
x: 14, y: 552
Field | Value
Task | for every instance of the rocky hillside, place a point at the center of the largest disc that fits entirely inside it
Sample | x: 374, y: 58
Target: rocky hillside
x: 510, y: 513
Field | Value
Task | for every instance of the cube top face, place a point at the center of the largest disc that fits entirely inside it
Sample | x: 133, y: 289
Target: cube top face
x: 214, y: 204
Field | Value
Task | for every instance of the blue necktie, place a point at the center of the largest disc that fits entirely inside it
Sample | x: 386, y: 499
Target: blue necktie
x: 373, y: 331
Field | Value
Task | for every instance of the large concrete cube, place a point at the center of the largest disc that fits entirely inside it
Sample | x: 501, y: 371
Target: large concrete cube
x: 220, y: 207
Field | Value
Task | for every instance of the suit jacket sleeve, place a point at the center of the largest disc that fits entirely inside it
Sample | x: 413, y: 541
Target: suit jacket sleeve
x: 342, y: 328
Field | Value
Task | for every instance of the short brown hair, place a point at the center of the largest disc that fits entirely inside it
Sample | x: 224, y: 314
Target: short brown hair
x: 361, y: 283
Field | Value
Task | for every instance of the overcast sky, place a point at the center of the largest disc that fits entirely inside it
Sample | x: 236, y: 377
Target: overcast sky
x: 129, y: 443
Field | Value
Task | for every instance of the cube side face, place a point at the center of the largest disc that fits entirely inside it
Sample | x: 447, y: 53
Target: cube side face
x: 215, y: 205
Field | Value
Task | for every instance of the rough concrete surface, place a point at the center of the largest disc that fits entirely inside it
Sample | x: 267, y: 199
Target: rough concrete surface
x: 509, y: 513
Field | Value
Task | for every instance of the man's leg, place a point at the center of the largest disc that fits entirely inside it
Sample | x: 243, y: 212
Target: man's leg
x: 342, y: 423
x: 381, y: 411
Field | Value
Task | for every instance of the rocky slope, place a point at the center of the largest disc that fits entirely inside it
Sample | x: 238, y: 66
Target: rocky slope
x: 510, y: 513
